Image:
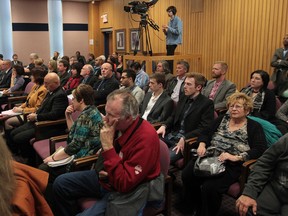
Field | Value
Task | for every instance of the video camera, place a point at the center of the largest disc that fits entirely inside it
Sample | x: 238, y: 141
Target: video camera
x: 137, y: 7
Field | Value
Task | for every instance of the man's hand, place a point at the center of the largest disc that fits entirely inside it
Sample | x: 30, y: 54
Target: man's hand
x: 32, y: 117
x: 243, y: 203
x: 107, y: 135
x: 201, y: 150
x: 179, y: 146
x: 161, y: 130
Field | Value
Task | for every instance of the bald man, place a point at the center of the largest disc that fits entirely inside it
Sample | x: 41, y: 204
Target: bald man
x: 52, y: 108
x: 106, y: 85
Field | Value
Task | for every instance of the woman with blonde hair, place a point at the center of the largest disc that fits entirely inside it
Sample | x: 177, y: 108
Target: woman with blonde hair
x: 236, y: 139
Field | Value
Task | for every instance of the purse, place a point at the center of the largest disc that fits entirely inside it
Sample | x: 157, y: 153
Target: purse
x: 209, y: 165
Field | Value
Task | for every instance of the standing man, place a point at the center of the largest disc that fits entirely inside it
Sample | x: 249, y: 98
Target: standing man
x: 127, y: 80
x: 280, y: 63
x: 218, y: 89
x: 173, y: 32
x: 128, y: 161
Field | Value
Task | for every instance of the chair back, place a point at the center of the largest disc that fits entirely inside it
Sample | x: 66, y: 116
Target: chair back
x: 28, y: 88
x: 164, y: 158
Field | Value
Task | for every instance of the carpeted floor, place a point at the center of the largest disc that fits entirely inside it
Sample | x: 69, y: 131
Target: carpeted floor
x: 227, y: 208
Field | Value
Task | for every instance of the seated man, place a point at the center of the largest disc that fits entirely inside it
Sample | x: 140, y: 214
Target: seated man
x: 163, y: 67
x: 127, y: 82
x: 87, y: 74
x: 106, y: 85
x: 142, y: 78
x: 176, y: 85
x: 219, y: 88
x: 7, y: 73
x: 266, y: 192
x: 131, y: 161
x: 53, y: 107
x: 157, y: 105
x: 63, y: 67
x: 193, y: 114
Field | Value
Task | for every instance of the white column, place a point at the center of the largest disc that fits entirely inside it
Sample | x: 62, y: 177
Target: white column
x: 6, y: 44
x: 55, y: 23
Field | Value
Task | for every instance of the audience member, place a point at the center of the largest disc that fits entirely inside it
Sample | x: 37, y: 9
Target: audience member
x: 264, y: 101
x: 15, y: 60
x: 56, y: 56
x: 75, y: 78
x: 17, y: 80
x: 192, y: 115
x: 80, y: 58
x: 131, y: 162
x: 106, y: 85
x: 219, y: 89
x: 63, y: 66
x: 52, y: 108
x: 142, y: 78
x: 282, y: 118
x: 66, y: 58
x: 84, y: 134
x: 236, y: 138
x: 163, y: 67
x: 72, y: 60
x: 157, y: 105
x: 52, y: 66
x: 127, y: 82
x: 29, y: 67
x: 7, y: 73
x: 33, y: 101
x: 91, y: 59
x: 265, y: 192
x: 39, y: 62
x: 176, y: 87
x: 119, y: 68
x: 97, y: 67
x: 87, y: 74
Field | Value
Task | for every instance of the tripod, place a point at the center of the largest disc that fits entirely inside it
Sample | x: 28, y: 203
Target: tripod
x: 144, y: 30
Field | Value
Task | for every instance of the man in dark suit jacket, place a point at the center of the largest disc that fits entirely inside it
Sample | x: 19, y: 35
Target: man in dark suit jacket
x: 53, y: 107
x: 63, y: 67
x: 87, y: 74
x: 219, y: 88
x: 157, y: 104
x: 15, y: 60
x: 194, y: 113
x: 106, y: 85
x: 7, y: 73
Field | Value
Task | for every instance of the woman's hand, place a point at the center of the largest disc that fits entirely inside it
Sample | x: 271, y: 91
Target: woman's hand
x: 17, y: 109
x: 201, y: 150
x: 48, y: 159
x: 69, y: 110
x: 226, y: 156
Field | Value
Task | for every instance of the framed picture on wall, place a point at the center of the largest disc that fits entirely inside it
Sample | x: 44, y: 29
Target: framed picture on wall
x: 135, y: 40
x: 120, y: 40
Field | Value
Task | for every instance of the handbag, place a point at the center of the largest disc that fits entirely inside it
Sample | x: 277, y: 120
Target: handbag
x: 209, y: 165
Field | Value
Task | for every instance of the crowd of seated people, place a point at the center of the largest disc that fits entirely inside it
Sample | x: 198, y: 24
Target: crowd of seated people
x: 184, y: 105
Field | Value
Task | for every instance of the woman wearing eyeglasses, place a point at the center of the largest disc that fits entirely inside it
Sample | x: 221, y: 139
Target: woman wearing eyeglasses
x: 237, y: 139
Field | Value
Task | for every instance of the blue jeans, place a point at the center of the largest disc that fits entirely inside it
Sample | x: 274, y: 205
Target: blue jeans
x: 69, y: 187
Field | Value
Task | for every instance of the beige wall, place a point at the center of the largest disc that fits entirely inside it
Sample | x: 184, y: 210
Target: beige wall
x: 35, y: 11
x: 244, y: 33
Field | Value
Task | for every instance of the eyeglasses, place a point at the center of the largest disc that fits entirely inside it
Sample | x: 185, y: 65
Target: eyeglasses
x: 237, y: 107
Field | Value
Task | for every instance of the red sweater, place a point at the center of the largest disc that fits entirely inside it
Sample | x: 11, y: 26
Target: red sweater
x: 137, y: 162
x: 72, y: 83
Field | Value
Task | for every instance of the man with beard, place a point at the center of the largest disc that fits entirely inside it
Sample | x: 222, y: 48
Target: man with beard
x: 219, y: 88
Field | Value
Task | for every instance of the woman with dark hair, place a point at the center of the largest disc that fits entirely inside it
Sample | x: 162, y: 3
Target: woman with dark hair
x: 17, y: 80
x: 74, y: 79
x: 33, y: 101
x: 264, y: 101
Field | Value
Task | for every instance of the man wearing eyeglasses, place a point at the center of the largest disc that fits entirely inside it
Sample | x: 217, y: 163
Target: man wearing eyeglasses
x: 127, y: 81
